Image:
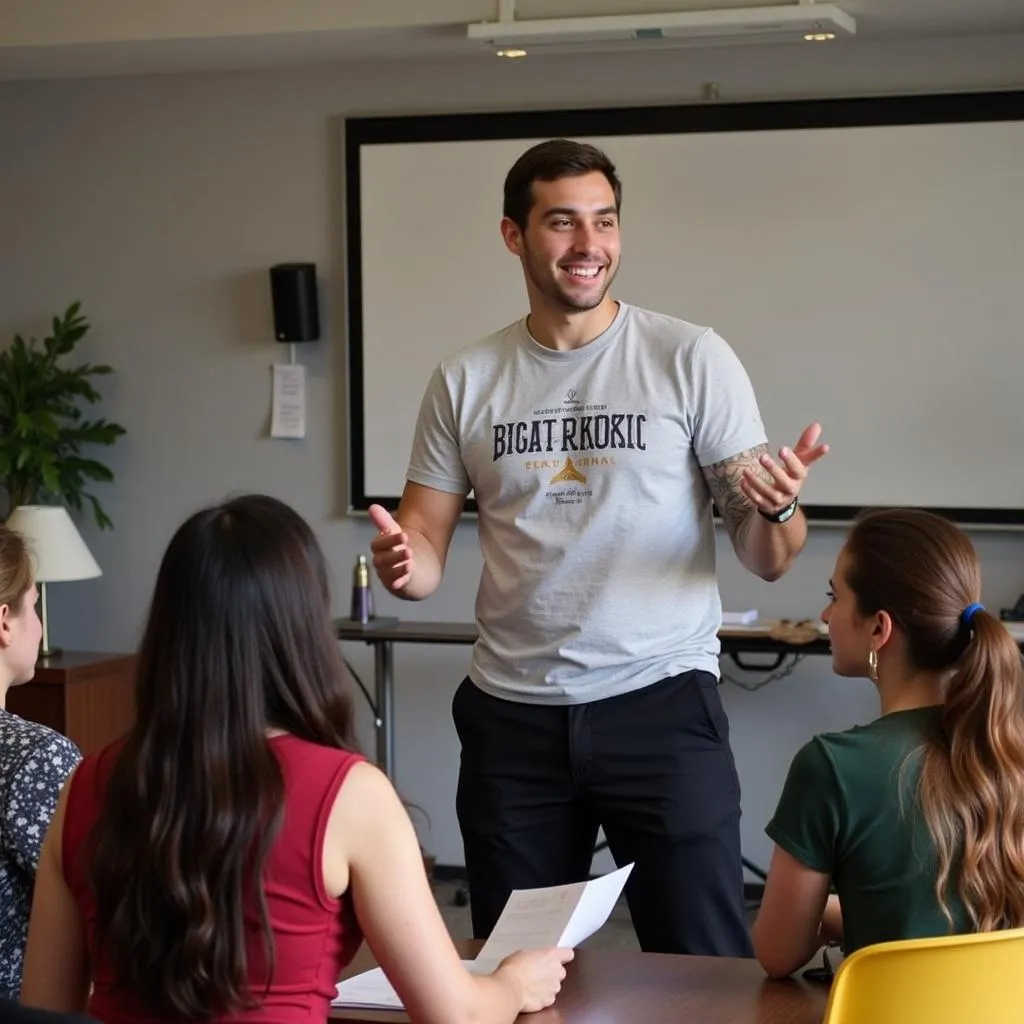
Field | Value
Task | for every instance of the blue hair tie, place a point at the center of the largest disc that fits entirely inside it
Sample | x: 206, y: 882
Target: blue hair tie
x: 970, y: 611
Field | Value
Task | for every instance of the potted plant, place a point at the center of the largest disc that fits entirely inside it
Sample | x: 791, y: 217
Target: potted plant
x: 42, y: 427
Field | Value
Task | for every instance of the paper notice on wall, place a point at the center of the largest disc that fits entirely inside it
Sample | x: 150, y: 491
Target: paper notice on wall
x: 288, y: 412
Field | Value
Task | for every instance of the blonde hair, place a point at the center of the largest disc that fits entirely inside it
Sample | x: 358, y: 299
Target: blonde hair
x: 15, y: 569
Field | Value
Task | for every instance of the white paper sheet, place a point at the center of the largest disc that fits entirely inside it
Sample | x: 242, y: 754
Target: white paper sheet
x: 597, y: 901
x: 744, y: 618
x: 371, y: 990
x: 288, y: 408
x: 560, y: 915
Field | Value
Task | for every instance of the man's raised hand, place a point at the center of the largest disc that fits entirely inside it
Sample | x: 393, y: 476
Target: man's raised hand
x: 775, y: 486
x: 392, y: 553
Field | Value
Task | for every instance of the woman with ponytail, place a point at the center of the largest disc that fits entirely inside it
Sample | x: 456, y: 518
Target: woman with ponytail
x: 917, y: 819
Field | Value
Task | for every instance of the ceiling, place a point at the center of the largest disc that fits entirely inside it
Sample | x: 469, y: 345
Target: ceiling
x: 87, y: 38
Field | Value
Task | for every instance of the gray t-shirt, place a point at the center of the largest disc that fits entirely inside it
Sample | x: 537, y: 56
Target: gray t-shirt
x: 594, y: 516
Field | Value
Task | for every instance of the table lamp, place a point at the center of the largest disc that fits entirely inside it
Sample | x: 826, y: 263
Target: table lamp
x: 58, y: 553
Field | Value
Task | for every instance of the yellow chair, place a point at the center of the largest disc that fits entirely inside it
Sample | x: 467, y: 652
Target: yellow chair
x: 955, y: 979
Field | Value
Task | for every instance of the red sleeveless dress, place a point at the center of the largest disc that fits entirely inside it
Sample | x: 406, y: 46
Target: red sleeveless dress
x: 315, y: 936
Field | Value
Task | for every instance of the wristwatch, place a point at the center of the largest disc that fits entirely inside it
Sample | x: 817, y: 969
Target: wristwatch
x: 783, y: 515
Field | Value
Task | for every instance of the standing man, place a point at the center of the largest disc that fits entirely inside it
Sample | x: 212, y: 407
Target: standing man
x: 595, y: 436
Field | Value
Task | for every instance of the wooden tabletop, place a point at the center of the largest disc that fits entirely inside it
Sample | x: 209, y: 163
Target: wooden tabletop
x: 77, y: 666
x: 606, y: 987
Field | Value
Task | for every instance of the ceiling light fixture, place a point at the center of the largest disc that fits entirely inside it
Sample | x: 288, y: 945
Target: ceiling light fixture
x: 819, y: 34
x: 776, y: 23
x: 512, y: 54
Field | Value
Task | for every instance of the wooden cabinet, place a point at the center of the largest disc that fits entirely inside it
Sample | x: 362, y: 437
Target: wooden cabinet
x: 88, y: 697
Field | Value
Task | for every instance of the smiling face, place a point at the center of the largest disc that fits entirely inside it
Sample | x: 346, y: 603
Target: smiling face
x: 570, y: 247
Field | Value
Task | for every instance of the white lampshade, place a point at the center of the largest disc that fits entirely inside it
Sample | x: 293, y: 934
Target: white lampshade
x: 58, y: 551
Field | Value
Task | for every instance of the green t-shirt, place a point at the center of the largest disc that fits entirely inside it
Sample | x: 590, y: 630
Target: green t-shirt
x: 849, y: 810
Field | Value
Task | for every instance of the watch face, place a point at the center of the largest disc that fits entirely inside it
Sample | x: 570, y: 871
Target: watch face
x: 786, y: 513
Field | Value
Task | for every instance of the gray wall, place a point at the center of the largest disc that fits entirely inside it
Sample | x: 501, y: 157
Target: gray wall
x: 161, y: 201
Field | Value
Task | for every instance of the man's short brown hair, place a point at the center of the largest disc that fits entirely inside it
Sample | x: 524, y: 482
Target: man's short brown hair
x: 549, y: 161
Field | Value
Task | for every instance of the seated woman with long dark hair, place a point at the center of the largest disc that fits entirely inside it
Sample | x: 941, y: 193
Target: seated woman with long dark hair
x: 224, y: 860
x: 918, y: 817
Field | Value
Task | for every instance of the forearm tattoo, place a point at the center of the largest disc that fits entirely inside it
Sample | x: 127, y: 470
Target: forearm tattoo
x: 724, y: 481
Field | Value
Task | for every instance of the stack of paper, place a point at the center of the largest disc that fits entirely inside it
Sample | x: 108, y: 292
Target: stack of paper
x: 371, y: 990
x: 739, y: 618
x: 560, y: 915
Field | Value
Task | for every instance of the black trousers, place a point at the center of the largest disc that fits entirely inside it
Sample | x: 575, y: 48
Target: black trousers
x: 652, y: 767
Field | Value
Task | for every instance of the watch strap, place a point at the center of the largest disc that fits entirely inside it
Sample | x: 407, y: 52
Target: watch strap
x: 783, y: 514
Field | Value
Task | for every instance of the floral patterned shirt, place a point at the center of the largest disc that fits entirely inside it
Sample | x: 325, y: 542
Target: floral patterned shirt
x: 34, y: 763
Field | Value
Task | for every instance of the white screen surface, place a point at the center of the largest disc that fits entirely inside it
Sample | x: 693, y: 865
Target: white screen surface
x: 868, y: 277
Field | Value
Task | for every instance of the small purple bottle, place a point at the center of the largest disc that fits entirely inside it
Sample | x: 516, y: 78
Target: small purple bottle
x: 362, y: 595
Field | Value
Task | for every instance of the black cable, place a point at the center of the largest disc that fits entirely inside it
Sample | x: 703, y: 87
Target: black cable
x: 785, y: 668
x: 373, y: 708
x: 754, y: 869
x: 359, y: 683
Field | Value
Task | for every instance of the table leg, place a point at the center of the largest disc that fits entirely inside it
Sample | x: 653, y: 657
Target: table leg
x: 384, y: 682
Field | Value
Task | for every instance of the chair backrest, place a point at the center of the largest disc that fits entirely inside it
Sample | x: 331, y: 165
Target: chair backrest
x: 955, y: 979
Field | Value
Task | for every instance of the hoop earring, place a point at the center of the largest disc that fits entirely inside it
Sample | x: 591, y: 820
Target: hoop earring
x: 873, y: 665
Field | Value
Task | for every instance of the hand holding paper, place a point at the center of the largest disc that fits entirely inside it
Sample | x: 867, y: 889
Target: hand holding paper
x: 559, y: 916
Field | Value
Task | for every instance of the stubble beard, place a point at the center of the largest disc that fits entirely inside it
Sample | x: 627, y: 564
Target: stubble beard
x: 559, y: 298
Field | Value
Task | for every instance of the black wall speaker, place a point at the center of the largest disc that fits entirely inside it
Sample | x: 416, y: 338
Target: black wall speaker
x: 293, y: 291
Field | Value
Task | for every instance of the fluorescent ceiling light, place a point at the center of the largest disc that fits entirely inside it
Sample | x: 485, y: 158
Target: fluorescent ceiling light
x: 761, y: 24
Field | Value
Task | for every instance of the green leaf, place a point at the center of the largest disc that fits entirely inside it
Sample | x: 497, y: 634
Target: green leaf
x: 94, y: 470
x: 47, y: 425
x: 51, y: 478
x: 74, y: 334
x: 46, y: 443
x: 102, y: 519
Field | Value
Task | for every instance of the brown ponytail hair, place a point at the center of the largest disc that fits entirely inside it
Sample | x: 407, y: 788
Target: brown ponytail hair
x: 924, y: 572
